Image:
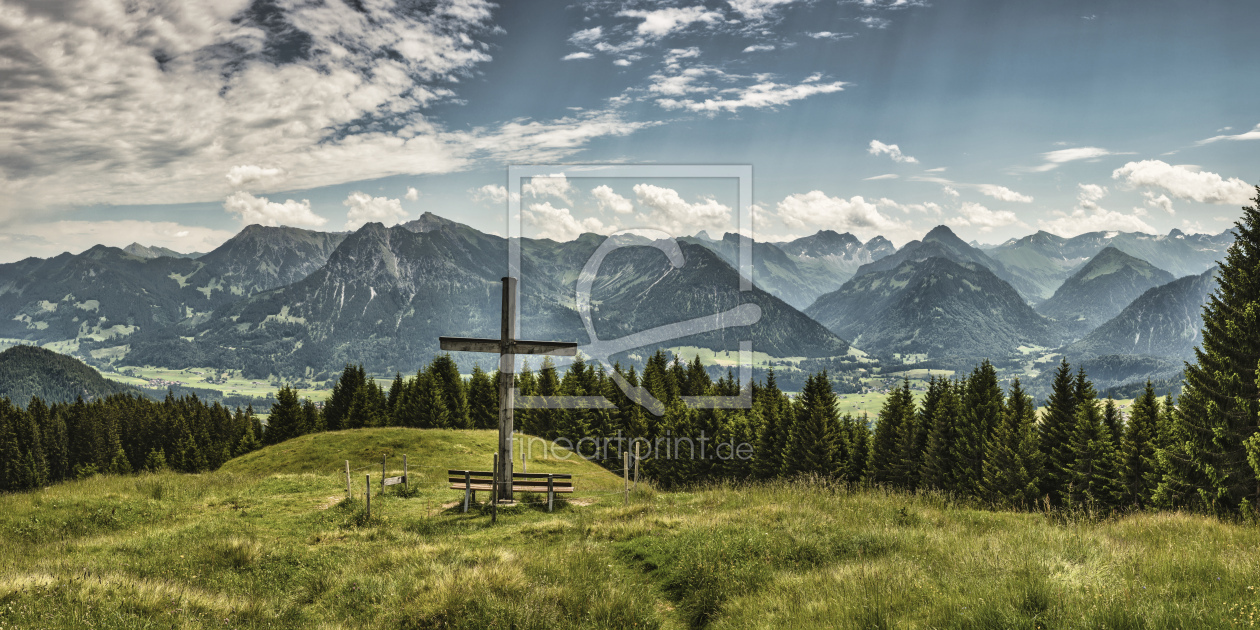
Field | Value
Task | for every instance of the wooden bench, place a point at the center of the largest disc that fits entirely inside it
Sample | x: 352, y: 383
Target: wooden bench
x: 470, y: 481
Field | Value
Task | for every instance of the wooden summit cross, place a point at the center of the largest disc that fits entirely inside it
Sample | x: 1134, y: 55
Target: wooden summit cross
x: 507, y: 347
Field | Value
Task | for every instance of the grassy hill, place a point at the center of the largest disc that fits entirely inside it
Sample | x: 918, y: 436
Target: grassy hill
x: 269, y: 542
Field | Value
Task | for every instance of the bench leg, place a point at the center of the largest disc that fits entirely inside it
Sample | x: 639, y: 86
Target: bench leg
x: 466, y: 492
x: 551, y: 494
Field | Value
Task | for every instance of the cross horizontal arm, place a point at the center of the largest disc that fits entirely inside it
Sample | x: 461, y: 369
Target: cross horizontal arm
x: 495, y: 346
x: 468, y: 344
x: 550, y: 348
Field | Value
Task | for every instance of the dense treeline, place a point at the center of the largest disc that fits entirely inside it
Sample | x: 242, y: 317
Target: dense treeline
x: 119, y: 434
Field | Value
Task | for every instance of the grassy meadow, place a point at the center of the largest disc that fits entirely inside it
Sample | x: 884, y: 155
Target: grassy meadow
x: 269, y: 541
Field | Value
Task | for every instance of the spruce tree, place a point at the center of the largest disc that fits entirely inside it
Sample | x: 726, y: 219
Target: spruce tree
x: 771, y: 434
x: 393, y: 401
x: 854, y: 447
x: 924, y: 422
x: 483, y: 400
x: 814, y: 432
x: 1111, y: 418
x: 338, y: 405
x: 1012, y: 462
x: 248, y: 444
x: 982, y: 412
x: 445, y: 374
x: 941, y: 468
x: 1141, y: 466
x: 894, y: 433
x: 286, y: 418
x: 1094, y: 473
x: 155, y: 461
x: 1055, y: 433
x: 1220, y: 399
x: 430, y: 404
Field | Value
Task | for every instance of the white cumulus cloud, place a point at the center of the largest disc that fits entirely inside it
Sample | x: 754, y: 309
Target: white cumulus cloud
x: 494, y: 193
x: 891, y: 150
x: 412, y: 194
x: 1185, y: 182
x: 365, y: 208
x: 668, y: 211
x: 1162, y: 202
x: 262, y: 211
x: 577, y: 55
x: 246, y: 174
x: 976, y: 215
x: 759, y: 48
x: 759, y: 95
x: 556, y: 185
x: 1254, y: 134
x: 1055, y: 159
x: 662, y: 22
x: 757, y: 9
x: 558, y: 224
x: 1088, y: 216
x: 610, y: 200
x: 587, y: 36
x: 1002, y: 193
x: 816, y: 210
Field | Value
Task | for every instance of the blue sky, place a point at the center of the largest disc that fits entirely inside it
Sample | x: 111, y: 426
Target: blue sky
x: 176, y: 124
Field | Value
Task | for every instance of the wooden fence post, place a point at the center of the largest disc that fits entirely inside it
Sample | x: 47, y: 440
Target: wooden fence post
x: 524, y: 469
x: 368, y: 495
x: 625, y: 475
x: 636, y: 464
x: 406, y: 487
x: 494, y: 492
x: 349, y: 494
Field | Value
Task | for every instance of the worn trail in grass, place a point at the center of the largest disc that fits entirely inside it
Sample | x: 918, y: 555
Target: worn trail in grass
x: 250, y: 547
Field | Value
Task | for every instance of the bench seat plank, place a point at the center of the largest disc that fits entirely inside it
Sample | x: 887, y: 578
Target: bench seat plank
x: 515, y: 488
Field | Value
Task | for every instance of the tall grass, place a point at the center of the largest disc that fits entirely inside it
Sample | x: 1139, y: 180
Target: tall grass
x: 269, y: 546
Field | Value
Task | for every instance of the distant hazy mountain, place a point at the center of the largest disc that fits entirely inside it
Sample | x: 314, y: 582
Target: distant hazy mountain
x: 1101, y: 289
x: 103, y: 292
x: 386, y: 294
x: 136, y: 249
x: 799, y: 271
x: 27, y: 371
x: 936, y: 306
x: 835, y: 257
x: 106, y: 292
x: 1044, y: 261
x: 943, y: 243
x: 1165, y: 321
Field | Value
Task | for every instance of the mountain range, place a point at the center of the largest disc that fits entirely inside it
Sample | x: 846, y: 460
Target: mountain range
x: 293, y: 302
x: 1100, y: 289
x: 935, y: 306
x: 1043, y: 261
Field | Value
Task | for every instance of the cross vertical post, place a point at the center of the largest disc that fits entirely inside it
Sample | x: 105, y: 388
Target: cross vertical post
x: 507, y: 346
x: 507, y: 377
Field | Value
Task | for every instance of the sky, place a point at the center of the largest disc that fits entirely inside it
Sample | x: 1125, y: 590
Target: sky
x: 178, y: 123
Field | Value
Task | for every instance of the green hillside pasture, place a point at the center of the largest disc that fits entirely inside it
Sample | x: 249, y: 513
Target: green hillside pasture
x: 249, y: 548
x: 430, y: 453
